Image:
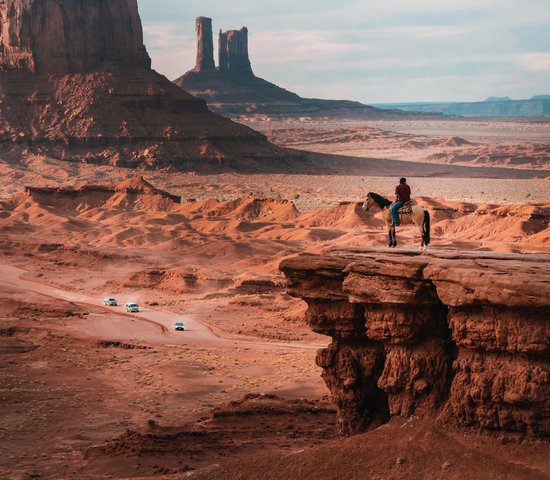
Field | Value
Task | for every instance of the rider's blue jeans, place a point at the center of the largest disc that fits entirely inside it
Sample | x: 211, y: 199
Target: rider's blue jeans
x: 393, y: 209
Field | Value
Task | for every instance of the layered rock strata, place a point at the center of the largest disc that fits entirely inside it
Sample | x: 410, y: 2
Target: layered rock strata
x: 68, y: 36
x: 462, y: 337
x: 131, y: 194
x: 76, y: 84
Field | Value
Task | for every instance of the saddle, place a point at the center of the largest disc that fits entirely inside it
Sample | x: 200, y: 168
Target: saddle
x: 406, y: 208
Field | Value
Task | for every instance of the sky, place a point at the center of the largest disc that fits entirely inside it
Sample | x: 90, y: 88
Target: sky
x: 375, y: 51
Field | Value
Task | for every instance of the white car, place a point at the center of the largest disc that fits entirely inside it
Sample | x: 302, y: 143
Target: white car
x: 132, y: 307
x: 179, y: 326
x: 110, y: 302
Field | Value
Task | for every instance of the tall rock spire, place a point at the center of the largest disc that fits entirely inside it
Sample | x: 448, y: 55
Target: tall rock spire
x: 69, y: 36
x: 76, y: 84
x: 205, y: 45
x: 233, y: 53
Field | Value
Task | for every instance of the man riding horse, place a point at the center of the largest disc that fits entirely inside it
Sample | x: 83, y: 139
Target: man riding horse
x: 414, y: 214
x: 402, y: 196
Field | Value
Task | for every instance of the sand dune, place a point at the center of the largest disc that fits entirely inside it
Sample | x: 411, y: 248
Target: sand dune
x: 211, y: 259
x: 135, y: 214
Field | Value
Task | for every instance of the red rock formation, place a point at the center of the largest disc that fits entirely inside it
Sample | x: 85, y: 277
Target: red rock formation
x: 233, y: 89
x: 76, y: 84
x: 463, y: 337
x: 233, y: 53
x: 205, y: 45
x: 134, y: 193
x: 71, y: 35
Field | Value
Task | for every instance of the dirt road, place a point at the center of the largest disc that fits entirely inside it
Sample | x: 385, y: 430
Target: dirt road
x: 151, y: 325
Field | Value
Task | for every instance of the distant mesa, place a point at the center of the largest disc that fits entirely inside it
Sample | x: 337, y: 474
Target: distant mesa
x: 76, y: 84
x: 536, y: 106
x: 232, y: 89
x: 498, y: 99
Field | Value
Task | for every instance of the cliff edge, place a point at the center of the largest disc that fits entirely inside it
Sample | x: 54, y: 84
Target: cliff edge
x: 457, y: 336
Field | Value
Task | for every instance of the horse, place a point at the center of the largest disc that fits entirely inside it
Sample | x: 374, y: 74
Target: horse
x: 417, y: 216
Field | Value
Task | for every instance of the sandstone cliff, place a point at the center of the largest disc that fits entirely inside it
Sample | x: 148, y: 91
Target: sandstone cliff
x: 462, y: 337
x: 76, y: 83
x: 71, y: 35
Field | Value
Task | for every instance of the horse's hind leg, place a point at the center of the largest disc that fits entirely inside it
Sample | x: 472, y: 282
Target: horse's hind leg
x: 423, y: 244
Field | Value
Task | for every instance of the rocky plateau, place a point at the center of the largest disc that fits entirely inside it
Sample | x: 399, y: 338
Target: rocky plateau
x: 457, y: 336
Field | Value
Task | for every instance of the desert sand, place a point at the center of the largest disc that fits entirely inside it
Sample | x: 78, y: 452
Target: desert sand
x: 515, y: 143
x: 93, y: 390
x: 114, y: 182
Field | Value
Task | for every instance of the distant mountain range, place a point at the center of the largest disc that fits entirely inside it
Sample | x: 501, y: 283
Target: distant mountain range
x: 536, y: 106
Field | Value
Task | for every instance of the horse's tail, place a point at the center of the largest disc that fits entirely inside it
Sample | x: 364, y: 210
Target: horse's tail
x: 426, y: 227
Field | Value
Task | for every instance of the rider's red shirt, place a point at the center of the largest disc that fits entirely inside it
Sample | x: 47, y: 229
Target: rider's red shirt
x: 404, y: 192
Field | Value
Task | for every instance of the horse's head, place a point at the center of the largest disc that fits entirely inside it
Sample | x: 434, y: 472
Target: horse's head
x: 369, y: 202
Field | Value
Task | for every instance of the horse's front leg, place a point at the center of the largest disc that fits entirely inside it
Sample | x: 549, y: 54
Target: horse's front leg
x: 392, y: 242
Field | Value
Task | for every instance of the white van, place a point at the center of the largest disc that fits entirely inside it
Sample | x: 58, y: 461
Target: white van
x: 132, y: 307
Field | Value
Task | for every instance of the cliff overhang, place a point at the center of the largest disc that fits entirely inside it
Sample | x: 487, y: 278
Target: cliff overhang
x: 464, y: 337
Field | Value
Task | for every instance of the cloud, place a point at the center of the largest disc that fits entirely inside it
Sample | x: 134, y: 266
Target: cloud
x: 376, y: 51
x: 172, y: 52
x: 535, y: 62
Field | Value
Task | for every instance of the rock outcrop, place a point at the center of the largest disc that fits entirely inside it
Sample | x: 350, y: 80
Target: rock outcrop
x: 132, y: 194
x: 68, y: 36
x: 233, y: 53
x: 232, y: 89
x: 462, y: 337
x: 205, y: 45
x: 76, y: 84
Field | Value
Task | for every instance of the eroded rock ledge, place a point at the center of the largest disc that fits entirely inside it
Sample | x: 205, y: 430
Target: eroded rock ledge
x: 465, y: 337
